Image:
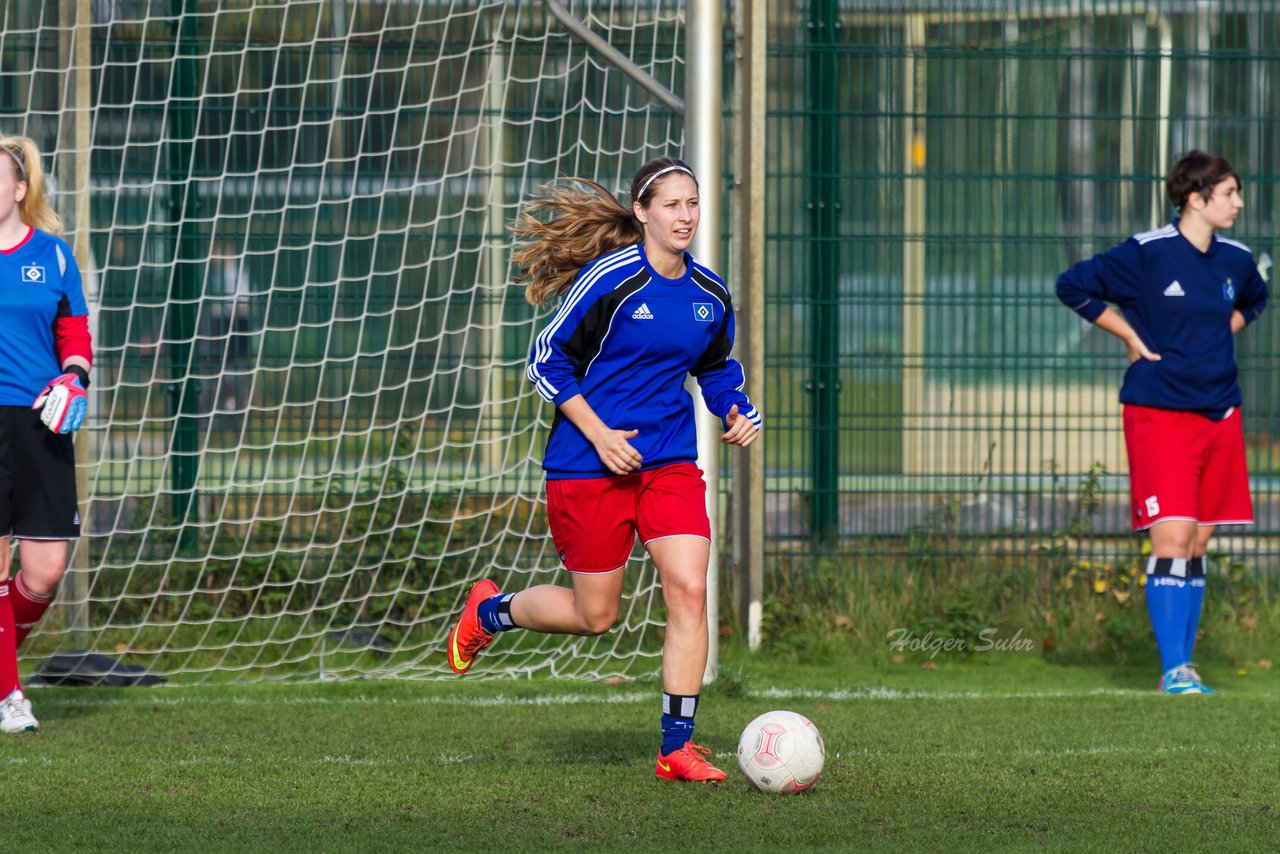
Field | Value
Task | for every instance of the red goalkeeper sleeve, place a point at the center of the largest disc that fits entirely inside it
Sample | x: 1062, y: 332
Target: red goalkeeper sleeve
x: 71, y: 338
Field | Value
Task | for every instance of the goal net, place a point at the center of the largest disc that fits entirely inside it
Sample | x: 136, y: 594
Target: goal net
x: 310, y: 430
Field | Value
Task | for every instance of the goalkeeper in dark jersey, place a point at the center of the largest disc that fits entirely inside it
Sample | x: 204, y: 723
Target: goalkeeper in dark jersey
x: 44, y: 371
x: 637, y: 315
x: 1185, y: 292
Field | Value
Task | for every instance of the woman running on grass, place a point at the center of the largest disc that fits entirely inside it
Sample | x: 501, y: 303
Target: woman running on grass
x: 637, y: 315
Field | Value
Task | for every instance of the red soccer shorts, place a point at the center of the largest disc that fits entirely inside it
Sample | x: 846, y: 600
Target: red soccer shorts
x: 594, y: 521
x: 1185, y: 466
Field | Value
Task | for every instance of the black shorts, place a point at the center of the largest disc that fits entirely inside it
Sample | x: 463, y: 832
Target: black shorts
x: 37, y: 478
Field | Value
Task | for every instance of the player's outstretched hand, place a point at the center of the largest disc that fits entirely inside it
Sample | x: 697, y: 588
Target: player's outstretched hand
x: 741, y: 431
x: 616, y: 452
x: 62, y: 404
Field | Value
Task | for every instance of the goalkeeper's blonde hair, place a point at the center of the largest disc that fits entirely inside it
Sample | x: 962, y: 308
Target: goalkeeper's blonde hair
x: 35, y: 209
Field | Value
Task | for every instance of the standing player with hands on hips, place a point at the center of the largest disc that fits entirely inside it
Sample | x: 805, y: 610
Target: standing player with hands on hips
x: 637, y: 315
x: 1185, y: 291
x: 44, y: 371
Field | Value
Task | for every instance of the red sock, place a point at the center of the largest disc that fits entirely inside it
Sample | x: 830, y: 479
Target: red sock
x: 8, y: 648
x: 28, y: 608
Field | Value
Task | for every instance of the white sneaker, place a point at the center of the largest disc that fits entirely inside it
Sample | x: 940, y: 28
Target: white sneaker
x: 15, y: 714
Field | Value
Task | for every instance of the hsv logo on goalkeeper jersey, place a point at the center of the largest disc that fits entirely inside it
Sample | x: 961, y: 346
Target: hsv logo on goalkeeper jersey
x: 33, y: 274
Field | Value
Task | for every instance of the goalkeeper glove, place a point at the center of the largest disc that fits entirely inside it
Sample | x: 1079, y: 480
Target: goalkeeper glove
x: 63, y: 402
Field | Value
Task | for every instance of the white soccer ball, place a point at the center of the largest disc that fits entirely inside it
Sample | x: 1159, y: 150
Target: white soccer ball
x: 781, y: 752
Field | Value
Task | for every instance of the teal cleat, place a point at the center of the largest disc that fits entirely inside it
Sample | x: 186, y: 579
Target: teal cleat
x: 1180, y: 680
x: 1195, y: 676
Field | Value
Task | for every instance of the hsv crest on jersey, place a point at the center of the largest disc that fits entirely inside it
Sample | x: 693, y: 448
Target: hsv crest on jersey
x: 642, y: 313
x: 1175, y: 290
x: 1228, y: 291
x: 704, y: 312
x: 33, y: 273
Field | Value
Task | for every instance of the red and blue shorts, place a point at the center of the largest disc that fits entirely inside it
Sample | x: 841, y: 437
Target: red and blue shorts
x: 594, y: 521
x: 1183, y: 465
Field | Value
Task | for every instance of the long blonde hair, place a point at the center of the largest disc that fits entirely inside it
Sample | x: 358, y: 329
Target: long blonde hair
x: 588, y: 222
x: 34, y: 209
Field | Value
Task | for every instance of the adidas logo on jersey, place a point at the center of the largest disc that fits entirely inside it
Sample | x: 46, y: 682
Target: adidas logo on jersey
x: 642, y: 313
x: 1175, y: 290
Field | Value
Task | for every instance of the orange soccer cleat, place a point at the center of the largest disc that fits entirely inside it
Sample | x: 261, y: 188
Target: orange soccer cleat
x: 688, y: 763
x: 469, y: 637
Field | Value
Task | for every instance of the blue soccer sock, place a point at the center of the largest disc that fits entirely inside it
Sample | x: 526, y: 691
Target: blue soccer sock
x: 495, y: 613
x: 1195, y: 599
x: 1168, y: 597
x: 677, y: 720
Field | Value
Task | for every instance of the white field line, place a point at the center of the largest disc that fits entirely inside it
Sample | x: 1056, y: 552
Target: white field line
x: 178, y: 697
x: 140, y: 697
x: 843, y: 694
x: 1094, y: 750
x: 342, y: 761
x: 726, y: 757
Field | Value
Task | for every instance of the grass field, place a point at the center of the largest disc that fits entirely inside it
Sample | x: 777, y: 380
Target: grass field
x: 1002, y: 752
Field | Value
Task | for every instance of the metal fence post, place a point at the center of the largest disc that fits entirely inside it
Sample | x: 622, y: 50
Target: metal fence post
x: 824, y: 266
x: 184, y: 209
x: 748, y: 240
x: 705, y: 153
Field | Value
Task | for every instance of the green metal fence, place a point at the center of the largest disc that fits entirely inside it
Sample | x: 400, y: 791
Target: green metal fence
x: 933, y: 167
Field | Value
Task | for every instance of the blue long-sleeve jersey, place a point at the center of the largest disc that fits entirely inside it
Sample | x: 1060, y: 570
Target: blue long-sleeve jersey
x: 625, y: 338
x: 1179, y: 301
x: 39, y: 283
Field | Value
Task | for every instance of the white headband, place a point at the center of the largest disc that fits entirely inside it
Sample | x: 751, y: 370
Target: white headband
x: 659, y: 174
x: 14, y: 154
